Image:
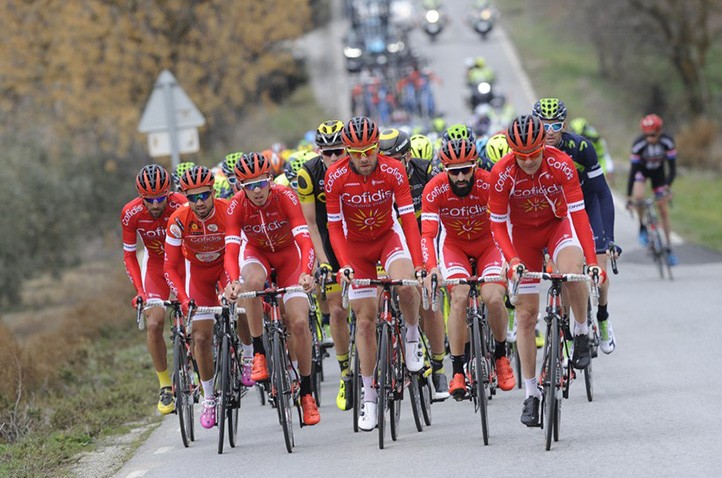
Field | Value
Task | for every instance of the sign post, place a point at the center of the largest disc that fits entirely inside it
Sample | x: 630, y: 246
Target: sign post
x: 171, y: 120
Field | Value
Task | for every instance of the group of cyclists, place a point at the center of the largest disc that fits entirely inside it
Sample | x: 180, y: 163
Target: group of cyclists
x: 366, y: 201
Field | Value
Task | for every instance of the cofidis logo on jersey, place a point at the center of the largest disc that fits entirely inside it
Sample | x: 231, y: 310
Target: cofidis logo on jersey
x: 367, y: 197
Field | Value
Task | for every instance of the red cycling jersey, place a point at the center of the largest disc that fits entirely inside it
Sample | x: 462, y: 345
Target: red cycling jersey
x: 362, y: 206
x: 276, y: 225
x: 136, y: 220
x: 465, y: 219
x: 201, y: 242
x: 537, y: 201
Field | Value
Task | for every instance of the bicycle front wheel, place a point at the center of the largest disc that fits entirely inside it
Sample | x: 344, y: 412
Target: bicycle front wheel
x: 356, y: 386
x: 384, y: 383
x: 478, y: 377
x: 282, y: 384
x: 396, y: 392
x: 182, y: 386
x: 551, y: 380
x: 224, y: 392
x: 426, y: 388
x: 235, y: 395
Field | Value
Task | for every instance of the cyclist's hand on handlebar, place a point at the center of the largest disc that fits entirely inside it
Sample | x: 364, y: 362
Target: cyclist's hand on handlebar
x: 324, y: 269
x: 344, y: 274
x: 185, y: 304
x: 427, y: 280
x: 597, y: 274
x: 140, y: 297
x: 515, y: 269
x: 233, y: 289
x: 307, y: 282
x: 419, y: 275
x: 614, y: 250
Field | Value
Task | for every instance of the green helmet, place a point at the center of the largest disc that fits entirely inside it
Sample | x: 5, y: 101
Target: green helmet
x: 180, y: 170
x: 459, y: 131
x: 550, y: 109
x: 497, y: 147
x: 438, y: 125
x: 229, y: 163
x: 582, y: 127
x: 421, y: 147
x: 297, y: 160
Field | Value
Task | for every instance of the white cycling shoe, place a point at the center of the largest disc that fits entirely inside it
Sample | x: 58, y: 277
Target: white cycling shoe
x: 368, y: 418
x: 414, y: 356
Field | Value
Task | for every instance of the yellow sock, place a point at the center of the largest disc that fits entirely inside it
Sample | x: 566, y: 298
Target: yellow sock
x: 164, y: 378
x: 343, y: 364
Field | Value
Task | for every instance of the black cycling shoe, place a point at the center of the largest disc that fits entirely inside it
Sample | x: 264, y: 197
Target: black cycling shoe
x: 530, y: 414
x: 581, y: 355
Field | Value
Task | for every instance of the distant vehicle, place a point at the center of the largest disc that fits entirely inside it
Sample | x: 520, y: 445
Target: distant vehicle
x: 483, y: 18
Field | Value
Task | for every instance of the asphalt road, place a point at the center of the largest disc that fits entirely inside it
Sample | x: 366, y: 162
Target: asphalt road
x: 653, y: 412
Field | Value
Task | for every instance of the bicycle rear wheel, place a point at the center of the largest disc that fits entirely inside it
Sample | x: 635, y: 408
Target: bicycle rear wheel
x: 384, y: 382
x: 426, y: 389
x: 224, y: 392
x: 282, y: 384
x: 182, y: 386
x: 316, y: 371
x: 416, y: 405
x: 478, y: 377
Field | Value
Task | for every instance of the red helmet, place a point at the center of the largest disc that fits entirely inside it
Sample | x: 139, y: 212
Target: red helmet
x: 360, y: 131
x: 456, y: 151
x: 651, y: 124
x: 197, y: 177
x: 252, y: 165
x: 525, y: 134
x: 152, y: 180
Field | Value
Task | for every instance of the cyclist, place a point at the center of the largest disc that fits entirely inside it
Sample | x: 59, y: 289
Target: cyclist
x: 313, y: 204
x: 275, y: 235
x: 421, y: 147
x: 179, y: 171
x: 457, y: 201
x: 361, y: 189
x: 397, y: 144
x: 458, y: 131
x: 582, y: 127
x: 146, y: 216
x: 598, y: 201
x: 194, y: 243
x: 534, y: 191
x: 294, y: 165
x: 494, y: 149
x: 649, y: 153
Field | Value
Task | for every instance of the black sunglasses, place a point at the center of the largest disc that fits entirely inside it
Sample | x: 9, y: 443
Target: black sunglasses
x: 331, y: 152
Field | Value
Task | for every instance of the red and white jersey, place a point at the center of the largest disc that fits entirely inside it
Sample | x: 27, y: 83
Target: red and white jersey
x: 136, y: 220
x: 278, y: 224
x: 360, y: 208
x: 536, y: 201
x: 462, y: 219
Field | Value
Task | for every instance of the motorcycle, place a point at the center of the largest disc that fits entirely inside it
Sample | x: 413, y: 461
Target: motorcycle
x: 433, y: 23
x: 483, y: 20
x: 480, y: 93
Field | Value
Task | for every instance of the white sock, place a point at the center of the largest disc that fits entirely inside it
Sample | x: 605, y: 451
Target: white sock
x: 530, y: 384
x: 370, y: 394
x: 247, y: 351
x: 412, y: 333
x: 208, y: 388
x: 581, y: 329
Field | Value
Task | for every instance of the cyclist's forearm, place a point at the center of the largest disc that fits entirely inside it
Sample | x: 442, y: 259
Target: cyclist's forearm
x: 634, y: 168
x: 600, y: 187
x: 315, y: 234
x: 672, y: 171
x: 133, y: 269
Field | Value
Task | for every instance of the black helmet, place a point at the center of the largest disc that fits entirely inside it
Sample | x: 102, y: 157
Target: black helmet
x: 394, y: 142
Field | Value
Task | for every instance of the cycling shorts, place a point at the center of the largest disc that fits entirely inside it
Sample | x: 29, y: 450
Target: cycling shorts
x: 286, y: 262
x: 386, y: 249
x: 154, y: 283
x: 659, y: 179
x: 455, y: 264
x: 201, y: 282
x: 530, y: 244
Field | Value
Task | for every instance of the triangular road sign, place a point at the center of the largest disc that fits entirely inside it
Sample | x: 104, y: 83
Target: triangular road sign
x: 155, y: 117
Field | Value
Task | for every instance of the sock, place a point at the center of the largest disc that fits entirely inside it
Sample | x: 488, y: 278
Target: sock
x: 437, y: 363
x: 412, y: 333
x: 258, y: 347
x: 580, y: 329
x: 247, y: 351
x: 306, y: 385
x: 343, y: 364
x: 530, y: 384
x: 370, y: 393
x: 325, y: 319
x: 602, y: 313
x: 164, y: 379
x: 457, y: 364
x: 499, y: 349
x: 208, y: 389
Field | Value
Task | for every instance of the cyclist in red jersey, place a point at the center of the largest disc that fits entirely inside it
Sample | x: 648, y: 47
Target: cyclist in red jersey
x: 195, y: 241
x: 146, y: 216
x: 267, y: 229
x: 361, y: 190
x: 457, y: 201
x: 534, y: 190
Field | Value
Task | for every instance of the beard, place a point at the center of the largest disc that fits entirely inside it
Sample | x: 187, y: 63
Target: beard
x: 463, y: 190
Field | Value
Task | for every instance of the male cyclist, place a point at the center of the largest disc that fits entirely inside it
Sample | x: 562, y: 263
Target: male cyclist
x: 397, y: 144
x: 194, y: 243
x: 313, y: 204
x: 598, y: 201
x: 180, y: 171
x: 275, y: 235
x: 650, y: 152
x: 146, y: 216
x: 361, y: 190
x: 457, y: 201
x: 534, y: 190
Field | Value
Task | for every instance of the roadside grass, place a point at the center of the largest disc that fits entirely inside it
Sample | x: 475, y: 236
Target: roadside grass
x: 561, y: 65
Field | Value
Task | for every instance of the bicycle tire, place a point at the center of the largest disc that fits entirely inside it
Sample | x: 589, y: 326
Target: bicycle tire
x: 396, y: 392
x: 517, y: 364
x: 589, y: 382
x: 282, y: 382
x: 478, y: 377
x: 658, y: 251
x: 416, y: 405
x: 236, y: 398
x: 356, y: 386
x: 383, y: 378
x: 261, y: 394
x: 426, y: 388
x: 181, y: 379
x: 195, y: 390
x: 316, y: 372
x: 224, y: 392
x: 551, y: 379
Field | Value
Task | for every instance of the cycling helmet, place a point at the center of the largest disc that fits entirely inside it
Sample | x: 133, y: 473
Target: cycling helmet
x: 360, y: 131
x: 229, y: 163
x: 651, y: 124
x: 421, y: 147
x: 196, y: 177
x: 180, y: 170
x: 525, y: 133
x: 457, y: 151
x: 252, y: 165
x: 438, y: 125
x: 582, y: 127
x: 497, y: 147
x: 152, y: 180
x: 222, y: 188
x: 296, y: 162
x: 328, y: 134
x: 550, y: 109
x: 393, y: 142
x: 458, y: 131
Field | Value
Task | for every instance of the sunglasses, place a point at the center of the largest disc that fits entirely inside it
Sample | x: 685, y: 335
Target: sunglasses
x: 464, y: 170
x: 357, y: 153
x: 331, y: 152
x: 156, y: 200
x: 195, y: 197
x: 528, y: 156
x: 232, y: 180
x: 256, y: 184
x: 556, y: 127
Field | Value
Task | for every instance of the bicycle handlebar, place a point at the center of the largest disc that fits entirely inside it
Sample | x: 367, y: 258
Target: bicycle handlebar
x: 142, y: 307
x: 270, y: 292
x: 472, y: 280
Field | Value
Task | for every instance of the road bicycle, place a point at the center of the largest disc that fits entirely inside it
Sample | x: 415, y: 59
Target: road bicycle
x: 655, y: 244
